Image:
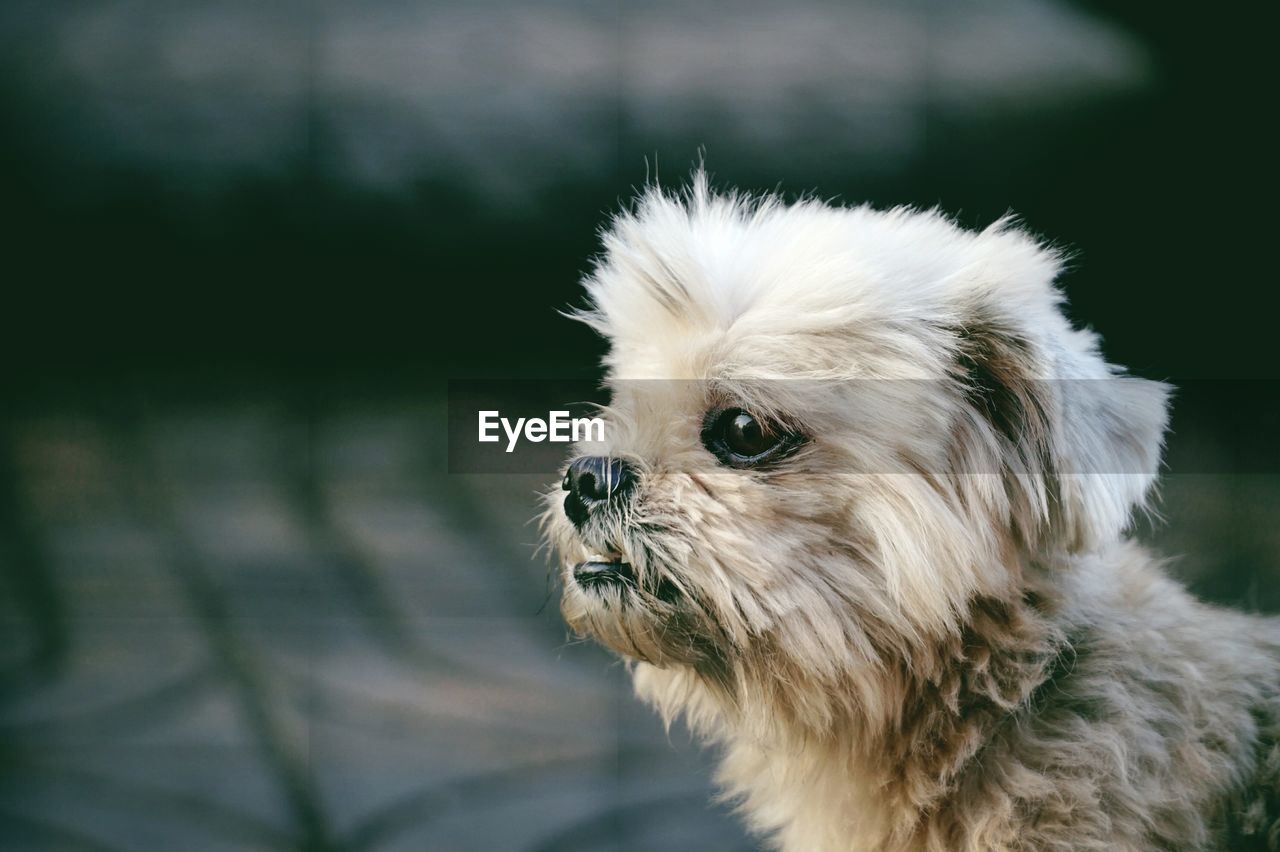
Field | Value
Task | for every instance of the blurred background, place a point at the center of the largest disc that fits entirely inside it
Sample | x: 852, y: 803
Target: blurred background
x: 243, y: 602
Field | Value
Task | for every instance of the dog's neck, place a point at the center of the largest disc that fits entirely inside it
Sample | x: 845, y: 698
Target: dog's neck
x: 958, y: 695
x: 936, y: 709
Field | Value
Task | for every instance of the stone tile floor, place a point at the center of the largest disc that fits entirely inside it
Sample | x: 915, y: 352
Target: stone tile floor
x: 248, y: 625
x: 241, y: 627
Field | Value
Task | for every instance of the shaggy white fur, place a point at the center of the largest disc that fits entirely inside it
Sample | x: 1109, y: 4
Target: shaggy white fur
x: 912, y: 621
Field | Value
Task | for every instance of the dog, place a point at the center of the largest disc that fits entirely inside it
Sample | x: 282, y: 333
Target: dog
x: 860, y: 520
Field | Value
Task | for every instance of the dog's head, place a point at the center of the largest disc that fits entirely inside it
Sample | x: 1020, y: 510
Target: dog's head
x: 831, y: 430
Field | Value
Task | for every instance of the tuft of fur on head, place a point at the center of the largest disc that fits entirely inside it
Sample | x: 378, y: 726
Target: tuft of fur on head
x: 958, y: 433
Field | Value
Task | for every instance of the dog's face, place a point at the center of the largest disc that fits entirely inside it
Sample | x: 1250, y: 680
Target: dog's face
x: 830, y: 431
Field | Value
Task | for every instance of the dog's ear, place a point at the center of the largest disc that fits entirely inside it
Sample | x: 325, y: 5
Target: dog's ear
x: 1077, y: 441
x: 1107, y: 451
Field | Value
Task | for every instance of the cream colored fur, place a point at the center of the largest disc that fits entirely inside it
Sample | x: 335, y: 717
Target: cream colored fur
x: 926, y: 629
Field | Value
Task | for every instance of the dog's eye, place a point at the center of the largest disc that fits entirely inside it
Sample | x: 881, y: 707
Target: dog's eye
x: 746, y: 436
x: 740, y: 439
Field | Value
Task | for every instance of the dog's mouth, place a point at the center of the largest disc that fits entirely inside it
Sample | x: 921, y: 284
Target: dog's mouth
x: 604, y: 570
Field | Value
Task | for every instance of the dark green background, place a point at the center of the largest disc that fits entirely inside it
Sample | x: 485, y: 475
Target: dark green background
x: 244, y: 605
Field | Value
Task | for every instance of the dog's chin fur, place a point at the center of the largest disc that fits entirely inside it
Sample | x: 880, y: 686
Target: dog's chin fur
x: 925, y: 628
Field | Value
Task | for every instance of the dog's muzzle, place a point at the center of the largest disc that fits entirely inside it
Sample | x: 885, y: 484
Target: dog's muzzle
x: 596, y: 483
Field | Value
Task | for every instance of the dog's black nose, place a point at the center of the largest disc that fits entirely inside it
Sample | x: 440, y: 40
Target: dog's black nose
x: 592, y: 480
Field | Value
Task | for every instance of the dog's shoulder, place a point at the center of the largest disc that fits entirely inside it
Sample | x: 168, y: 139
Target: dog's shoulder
x: 1251, y: 816
x: 1157, y: 726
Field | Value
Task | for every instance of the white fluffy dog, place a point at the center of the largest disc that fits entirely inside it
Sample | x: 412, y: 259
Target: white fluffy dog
x: 859, y: 518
